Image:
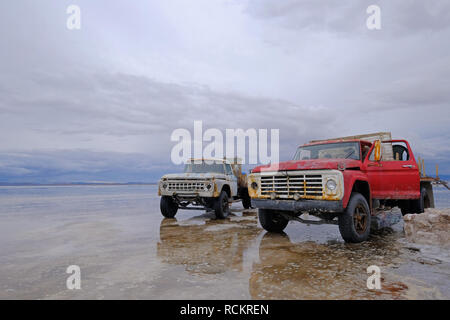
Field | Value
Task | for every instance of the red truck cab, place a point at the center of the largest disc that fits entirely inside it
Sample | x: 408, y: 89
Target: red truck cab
x: 340, y: 181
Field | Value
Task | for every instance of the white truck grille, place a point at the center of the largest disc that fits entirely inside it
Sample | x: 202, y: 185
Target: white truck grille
x: 306, y: 185
x: 185, y: 186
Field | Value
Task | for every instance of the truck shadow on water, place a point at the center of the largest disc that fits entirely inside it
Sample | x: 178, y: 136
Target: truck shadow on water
x: 309, y: 270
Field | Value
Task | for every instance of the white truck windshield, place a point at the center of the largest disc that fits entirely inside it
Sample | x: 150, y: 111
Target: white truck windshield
x: 204, y: 168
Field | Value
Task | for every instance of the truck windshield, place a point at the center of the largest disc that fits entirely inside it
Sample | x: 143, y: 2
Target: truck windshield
x: 340, y: 150
x: 204, y: 168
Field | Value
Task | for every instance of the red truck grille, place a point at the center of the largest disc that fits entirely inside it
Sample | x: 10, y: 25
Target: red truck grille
x: 305, y: 185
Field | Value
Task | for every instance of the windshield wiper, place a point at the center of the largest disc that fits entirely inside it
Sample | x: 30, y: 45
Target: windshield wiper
x: 349, y: 154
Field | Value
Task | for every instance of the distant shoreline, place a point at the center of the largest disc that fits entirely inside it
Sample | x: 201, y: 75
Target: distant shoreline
x: 75, y: 184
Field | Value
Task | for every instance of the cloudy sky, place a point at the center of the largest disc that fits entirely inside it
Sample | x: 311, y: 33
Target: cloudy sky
x: 100, y: 103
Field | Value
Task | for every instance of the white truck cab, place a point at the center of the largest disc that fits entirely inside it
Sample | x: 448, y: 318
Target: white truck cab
x: 209, y: 184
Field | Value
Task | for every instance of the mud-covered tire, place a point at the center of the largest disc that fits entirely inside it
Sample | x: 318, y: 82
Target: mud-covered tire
x: 418, y: 206
x: 272, y: 221
x: 246, y: 200
x: 221, y: 206
x: 168, y: 207
x: 415, y: 206
x: 354, y: 222
x: 404, y: 209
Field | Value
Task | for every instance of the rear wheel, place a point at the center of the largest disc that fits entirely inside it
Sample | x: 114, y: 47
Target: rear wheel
x: 354, y: 222
x: 168, y: 207
x: 221, y: 206
x: 415, y: 206
x: 418, y: 206
x: 271, y: 220
x: 246, y: 200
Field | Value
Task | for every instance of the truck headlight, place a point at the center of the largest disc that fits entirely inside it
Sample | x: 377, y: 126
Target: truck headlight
x: 331, y: 185
x: 254, y: 185
x: 209, y: 186
x: 164, y: 185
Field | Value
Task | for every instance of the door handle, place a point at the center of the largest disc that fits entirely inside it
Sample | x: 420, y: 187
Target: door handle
x: 407, y: 166
x: 374, y: 165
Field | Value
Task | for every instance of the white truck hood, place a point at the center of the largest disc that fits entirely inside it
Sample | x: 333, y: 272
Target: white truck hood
x: 194, y: 176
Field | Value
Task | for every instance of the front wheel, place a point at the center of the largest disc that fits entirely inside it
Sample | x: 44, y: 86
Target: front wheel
x: 168, y: 207
x: 354, y: 222
x: 221, y: 206
x: 271, y: 220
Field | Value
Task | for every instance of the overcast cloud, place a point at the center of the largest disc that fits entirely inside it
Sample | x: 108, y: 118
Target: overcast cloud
x: 100, y: 103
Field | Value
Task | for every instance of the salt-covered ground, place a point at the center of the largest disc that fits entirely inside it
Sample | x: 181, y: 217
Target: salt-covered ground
x: 126, y: 250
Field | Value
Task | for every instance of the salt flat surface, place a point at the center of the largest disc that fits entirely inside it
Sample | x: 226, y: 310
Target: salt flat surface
x: 127, y: 250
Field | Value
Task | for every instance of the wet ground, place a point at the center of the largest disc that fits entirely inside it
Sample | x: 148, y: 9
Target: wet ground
x: 127, y: 250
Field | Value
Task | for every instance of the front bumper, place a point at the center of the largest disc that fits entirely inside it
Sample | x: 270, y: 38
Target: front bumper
x: 300, y: 205
x: 187, y: 194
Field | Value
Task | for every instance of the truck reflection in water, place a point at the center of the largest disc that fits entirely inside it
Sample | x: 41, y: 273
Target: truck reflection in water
x: 277, y: 266
x: 213, y: 247
x: 309, y: 270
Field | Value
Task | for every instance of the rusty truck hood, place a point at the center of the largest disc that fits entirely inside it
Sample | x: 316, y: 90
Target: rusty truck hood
x: 316, y: 164
x: 194, y: 176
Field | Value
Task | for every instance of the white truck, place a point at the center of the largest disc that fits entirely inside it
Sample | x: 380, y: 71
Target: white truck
x: 205, y: 184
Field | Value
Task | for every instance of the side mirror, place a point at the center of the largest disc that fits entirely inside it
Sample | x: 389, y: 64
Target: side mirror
x: 377, y: 151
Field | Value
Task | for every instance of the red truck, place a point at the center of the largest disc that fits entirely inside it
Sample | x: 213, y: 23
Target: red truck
x: 344, y: 181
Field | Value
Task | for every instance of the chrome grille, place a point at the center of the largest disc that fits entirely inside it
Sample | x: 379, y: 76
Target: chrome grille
x: 306, y: 185
x: 185, y: 186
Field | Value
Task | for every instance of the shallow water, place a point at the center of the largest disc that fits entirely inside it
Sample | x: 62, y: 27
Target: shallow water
x: 127, y: 250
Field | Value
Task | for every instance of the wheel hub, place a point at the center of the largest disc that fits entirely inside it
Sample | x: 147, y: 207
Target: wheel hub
x: 360, y: 219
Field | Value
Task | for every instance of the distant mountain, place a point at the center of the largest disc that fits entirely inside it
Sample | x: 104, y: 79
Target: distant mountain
x: 80, y: 167
x: 75, y: 184
x: 87, y: 167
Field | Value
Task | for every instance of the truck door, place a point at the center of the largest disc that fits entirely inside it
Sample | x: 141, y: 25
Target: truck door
x: 394, y: 178
x: 231, y: 178
x: 405, y: 171
x: 374, y: 171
